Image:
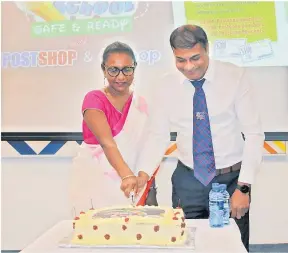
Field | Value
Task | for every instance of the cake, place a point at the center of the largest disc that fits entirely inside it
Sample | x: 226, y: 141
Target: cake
x: 141, y: 225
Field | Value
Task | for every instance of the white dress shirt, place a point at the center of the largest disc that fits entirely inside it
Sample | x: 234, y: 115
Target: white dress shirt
x: 232, y: 110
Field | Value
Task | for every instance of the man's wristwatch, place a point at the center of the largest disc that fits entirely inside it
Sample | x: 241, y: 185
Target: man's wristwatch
x: 243, y: 188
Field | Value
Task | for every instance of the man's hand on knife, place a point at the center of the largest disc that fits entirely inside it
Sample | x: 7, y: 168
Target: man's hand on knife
x: 142, y: 180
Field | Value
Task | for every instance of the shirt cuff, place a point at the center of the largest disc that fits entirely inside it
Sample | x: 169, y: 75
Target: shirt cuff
x: 247, y: 175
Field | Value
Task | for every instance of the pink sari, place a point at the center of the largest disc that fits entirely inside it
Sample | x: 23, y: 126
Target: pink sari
x: 94, y: 181
x: 97, y: 99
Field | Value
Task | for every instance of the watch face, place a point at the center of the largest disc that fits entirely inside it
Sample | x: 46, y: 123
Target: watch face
x: 245, y: 189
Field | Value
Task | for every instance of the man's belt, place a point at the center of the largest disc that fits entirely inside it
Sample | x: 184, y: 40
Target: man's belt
x: 235, y: 167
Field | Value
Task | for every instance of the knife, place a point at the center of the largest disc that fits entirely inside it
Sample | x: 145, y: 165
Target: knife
x: 132, y: 198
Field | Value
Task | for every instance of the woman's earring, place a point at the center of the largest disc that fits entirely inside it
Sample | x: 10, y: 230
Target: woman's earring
x: 105, y: 85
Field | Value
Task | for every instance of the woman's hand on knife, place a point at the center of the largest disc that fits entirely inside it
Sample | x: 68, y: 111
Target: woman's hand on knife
x: 129, y: 184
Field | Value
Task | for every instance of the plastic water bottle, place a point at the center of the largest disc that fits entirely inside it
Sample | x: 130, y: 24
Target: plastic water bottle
x: 226, y: 206
x: 216, y: 206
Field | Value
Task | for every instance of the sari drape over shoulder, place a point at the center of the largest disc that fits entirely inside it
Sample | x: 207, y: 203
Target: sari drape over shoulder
x: 93, y: 180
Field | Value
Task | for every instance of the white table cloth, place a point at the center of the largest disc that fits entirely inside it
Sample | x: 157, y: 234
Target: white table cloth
x: 207, y: 240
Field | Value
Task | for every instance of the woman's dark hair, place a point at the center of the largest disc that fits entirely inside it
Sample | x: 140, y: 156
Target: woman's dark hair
x: 187, y: 36
x: 117, y: 47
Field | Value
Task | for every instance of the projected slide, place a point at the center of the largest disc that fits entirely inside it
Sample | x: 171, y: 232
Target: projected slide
x: 245, y: 33
x: 68, y: 34
x: 52, y: 51
x: 61, y: 18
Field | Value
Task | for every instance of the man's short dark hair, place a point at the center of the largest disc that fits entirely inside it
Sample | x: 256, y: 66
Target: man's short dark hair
x: 187, y: 36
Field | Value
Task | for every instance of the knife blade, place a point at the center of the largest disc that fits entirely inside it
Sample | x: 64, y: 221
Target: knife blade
x: 132, y: 199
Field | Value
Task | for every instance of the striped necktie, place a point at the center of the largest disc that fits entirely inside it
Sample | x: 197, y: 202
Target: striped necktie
x: 203, y: 153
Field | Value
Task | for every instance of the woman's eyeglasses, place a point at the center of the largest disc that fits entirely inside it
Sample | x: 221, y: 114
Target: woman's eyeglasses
x: 114, y: 71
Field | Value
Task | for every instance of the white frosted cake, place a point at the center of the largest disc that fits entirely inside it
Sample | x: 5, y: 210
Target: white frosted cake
x: 141, y: 225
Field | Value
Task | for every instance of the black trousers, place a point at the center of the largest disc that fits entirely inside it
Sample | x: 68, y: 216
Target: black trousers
x: 193, y: 196
x: 152, y: 195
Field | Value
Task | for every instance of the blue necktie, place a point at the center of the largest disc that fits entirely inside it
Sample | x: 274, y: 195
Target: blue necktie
x: 203, y: 153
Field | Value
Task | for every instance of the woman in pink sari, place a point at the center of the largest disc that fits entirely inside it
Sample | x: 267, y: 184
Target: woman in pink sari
x: 113, y: 124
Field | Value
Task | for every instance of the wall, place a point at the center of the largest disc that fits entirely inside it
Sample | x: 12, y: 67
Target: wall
x: 48, y: 98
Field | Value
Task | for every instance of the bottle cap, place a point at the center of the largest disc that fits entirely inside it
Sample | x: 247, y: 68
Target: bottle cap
x: 214, y: 185
x: 223, y: 187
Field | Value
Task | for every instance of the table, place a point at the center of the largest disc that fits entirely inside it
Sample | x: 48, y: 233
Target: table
x: 207, y: 240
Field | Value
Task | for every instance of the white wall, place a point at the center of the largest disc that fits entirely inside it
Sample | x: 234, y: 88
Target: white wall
x: 49, y: 98
x: 34, y: 198
x: 271, y: 86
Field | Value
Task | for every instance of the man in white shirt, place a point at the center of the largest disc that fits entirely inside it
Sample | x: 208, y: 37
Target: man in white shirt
x: 210, y: 109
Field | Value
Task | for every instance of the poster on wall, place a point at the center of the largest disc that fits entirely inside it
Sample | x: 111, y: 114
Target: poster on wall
x: 246, y: 33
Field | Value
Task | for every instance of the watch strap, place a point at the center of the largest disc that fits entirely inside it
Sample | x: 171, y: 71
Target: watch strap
x: 240, y: 187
